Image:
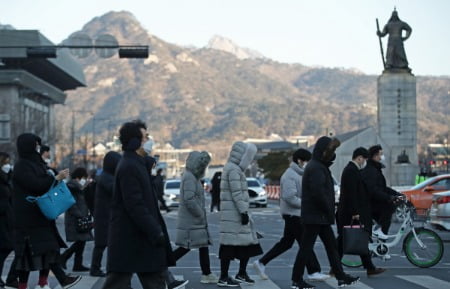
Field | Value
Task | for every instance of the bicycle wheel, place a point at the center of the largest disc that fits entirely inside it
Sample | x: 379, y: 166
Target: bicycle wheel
x: 352, y: 261
x: 425, y: 257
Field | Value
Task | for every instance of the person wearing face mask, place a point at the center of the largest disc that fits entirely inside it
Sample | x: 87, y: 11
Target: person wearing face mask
x: 6, y: 218
x: 317, y: 213
x: 44, y: 151
x: 36, y: 239
x: 138, y: 241
x: 383, y: 198
x: 354, y: 204
x: 290, y: 204
x: 238, y: 238
x: 77, y: 186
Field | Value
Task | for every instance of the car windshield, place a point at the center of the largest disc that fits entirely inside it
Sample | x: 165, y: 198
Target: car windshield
x: 172, y: 185
x: 253, y: 183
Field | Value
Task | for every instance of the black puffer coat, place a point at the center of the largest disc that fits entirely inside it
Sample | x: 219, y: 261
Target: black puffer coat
x: 6, y: 213
x: 136, y: 222
x: 318, y: 189
x: 103, y: 197
x: 30, y: 178
x: 78, y: 210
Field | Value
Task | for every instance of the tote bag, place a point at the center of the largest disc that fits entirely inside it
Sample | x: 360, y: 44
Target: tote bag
x: 56, y: 201
x: 355, y: 240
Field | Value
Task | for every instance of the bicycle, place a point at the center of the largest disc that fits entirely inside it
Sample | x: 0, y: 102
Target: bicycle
x: 422, y: 247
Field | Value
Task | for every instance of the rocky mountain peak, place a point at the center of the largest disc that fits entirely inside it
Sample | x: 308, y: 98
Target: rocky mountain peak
x: 224, y: 44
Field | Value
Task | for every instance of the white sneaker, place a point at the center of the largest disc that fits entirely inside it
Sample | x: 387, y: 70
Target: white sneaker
x: 379, y: 234
x: 386, y: 257
x: 211, y: 278
x: 317, y: 276
x: 42, y: 287
x: 260, y: 268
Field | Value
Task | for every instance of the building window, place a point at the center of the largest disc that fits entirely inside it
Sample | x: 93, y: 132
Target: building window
x: 5, y: 127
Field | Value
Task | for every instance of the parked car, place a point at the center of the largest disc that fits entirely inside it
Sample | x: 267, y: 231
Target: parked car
x: 421, y: 195
x: 172, y: 192
x: 440, y: 211
x: 257, y: 193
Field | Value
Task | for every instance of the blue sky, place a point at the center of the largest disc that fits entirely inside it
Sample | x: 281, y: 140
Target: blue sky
x: 329, y: 33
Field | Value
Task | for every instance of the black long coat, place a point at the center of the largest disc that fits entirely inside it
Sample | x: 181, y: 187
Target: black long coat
x: 381, y: 194
x: 6, y: 213
x: 318, y: 189
x: 103, y: 198
x: 30, y: 178
x: 136, y: 221
x: 78, y: 210
x: 354, y: 199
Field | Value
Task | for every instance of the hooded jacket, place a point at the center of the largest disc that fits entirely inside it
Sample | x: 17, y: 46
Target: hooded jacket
x: 317, y: 184
x: 192, y: 225
x: 30, y: 178
x: 103, y: 196
x: 234, y: 198
x: 291, y: 190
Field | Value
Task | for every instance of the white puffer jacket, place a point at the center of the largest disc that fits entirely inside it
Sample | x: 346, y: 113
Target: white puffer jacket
x: 234, y: 198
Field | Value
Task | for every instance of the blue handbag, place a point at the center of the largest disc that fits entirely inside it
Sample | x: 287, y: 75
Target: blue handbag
x: 56, y: 201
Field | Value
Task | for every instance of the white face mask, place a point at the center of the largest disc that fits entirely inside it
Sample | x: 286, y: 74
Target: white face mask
x: 82, y: 182
x: 304, y: 165
x: 48, y: 161
x: 153, y: 172
x: 382, y: 158
x: 148, y: 146
x: 38, y: 149
x: 6, y: 168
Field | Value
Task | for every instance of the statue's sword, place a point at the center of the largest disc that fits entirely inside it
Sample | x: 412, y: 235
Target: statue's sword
x: 381, y: 45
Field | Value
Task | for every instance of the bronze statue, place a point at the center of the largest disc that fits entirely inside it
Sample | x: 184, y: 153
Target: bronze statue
x: 395, y: 54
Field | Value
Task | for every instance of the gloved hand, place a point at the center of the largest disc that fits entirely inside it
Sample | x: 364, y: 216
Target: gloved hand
x: 244, y: 219
x: 160, y: 240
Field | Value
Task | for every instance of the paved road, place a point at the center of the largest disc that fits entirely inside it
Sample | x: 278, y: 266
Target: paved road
x: 400, y: 275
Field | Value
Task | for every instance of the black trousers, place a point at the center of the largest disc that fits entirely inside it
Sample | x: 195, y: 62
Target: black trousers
x: 326, y: 234
x: 382, y: 214
x: 12, y: 273
x: 76, y: 248
x: 293, y: 231
x: 120, y: 280
x: 203, y: 257
x: 97, y: 256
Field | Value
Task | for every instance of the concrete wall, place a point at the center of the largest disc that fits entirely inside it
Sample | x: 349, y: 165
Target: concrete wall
x: 397, y: 123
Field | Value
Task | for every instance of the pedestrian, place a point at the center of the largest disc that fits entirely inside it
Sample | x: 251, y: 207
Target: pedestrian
x: 6, y: 219
x: 138, y: 241
x: 238, y: 238
x: 383, y: 198
x: 89, y: 192
x: 158, y: 182
x: 354, y: 205
x: 46, y: 157
x: 215, y: 192
x: 290, y: 205
x: 317, y: 213
x: 192, y: 224
x: 36, y: 239
x: 102, y: 213
x: 78, y: 212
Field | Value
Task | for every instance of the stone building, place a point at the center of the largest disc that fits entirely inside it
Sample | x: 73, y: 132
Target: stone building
x: 31, y: 84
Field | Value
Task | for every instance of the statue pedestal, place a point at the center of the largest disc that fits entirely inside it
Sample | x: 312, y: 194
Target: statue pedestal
x: 397, y: 124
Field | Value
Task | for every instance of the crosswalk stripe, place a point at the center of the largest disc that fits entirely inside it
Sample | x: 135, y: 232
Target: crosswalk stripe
x: 425, y: 281
x: 360, y: 285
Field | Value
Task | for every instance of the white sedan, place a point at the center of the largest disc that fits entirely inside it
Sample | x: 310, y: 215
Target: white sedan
x: 257, y: 193
x: 440, y: 211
